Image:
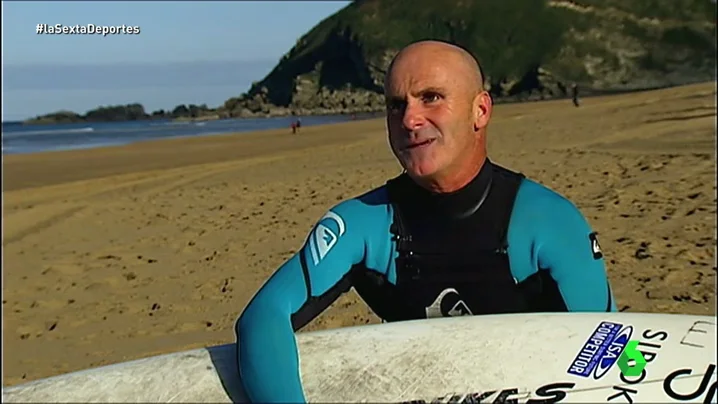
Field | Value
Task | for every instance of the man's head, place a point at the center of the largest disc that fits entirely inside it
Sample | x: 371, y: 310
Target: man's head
x: 437, y: 113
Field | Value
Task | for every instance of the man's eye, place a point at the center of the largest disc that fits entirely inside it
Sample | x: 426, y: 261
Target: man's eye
x: 431, y: 97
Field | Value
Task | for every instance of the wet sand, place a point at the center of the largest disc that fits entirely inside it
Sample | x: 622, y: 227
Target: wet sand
x: 120, y: 253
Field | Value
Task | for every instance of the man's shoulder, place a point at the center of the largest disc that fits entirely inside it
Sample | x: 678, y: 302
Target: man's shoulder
x: 349, y: 226
x: 543, y: 218
x: 540, y: 201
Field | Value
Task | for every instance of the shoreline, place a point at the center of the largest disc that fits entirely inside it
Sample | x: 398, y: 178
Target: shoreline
x: 115, y: 134
x: 30, y: 170
x: 359, y: 117
x: 280, y: 112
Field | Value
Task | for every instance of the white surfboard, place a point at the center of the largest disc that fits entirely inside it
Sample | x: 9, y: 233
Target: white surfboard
x: 537, y: 358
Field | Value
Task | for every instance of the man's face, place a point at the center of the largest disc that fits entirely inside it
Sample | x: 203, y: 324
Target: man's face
x: 429, y: 116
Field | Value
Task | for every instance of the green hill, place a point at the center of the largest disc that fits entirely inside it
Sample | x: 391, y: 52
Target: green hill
x: 529, y: 49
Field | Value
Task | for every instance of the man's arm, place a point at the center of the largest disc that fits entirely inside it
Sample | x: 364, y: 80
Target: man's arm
x: 296, y: 293
x: 569, y: 249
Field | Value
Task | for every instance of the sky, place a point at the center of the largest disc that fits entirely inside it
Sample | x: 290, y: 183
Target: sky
x: 187, y: 52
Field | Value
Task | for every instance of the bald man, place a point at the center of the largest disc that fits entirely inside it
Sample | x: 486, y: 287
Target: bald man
x: 454, y: 234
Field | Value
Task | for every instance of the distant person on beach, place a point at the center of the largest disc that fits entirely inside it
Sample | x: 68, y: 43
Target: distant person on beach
x: 574, y: 95
x: 296, y: 124
x: 454, y: 234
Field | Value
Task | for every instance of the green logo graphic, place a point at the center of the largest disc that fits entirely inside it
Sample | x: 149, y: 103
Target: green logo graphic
x: 631, y: 361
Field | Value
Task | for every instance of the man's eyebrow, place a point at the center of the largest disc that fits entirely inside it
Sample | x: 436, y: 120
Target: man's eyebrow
x: 423, y: 91
x: 427, y: 90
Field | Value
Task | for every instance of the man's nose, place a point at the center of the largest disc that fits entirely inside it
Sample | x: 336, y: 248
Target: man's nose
x: 413, y: 117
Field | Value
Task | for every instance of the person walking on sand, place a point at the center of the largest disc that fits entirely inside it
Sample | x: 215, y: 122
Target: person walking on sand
x: 574, y: 95
x: 296, y: 124
x: 454, y: 234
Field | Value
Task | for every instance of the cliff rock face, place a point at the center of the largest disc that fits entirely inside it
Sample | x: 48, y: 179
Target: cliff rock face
x: 528, y: 49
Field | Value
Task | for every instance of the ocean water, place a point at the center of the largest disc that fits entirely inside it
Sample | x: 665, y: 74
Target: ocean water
x: 20, y: 139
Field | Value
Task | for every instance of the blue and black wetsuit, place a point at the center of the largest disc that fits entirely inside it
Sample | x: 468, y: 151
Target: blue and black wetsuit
x: 502, y: 244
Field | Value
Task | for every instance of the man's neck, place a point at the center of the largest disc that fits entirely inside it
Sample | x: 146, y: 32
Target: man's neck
x: 459, y: 178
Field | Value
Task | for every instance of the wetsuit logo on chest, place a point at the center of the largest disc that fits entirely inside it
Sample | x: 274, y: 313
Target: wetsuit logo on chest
x: 448, y: 304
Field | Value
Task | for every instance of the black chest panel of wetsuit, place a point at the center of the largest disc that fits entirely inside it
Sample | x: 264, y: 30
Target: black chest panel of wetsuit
x: 452, y: 254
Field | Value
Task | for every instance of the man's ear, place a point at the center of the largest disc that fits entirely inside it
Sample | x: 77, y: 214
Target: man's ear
x: 482, y: 108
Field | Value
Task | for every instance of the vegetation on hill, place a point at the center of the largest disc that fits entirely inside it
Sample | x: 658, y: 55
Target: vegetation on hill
x: 129, y: 112
x: 528, y: 49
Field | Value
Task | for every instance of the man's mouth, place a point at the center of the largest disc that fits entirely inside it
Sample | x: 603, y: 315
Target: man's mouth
x: 419, y: 145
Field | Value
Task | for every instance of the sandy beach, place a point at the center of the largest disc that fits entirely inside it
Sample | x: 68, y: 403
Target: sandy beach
x: 119, y: 253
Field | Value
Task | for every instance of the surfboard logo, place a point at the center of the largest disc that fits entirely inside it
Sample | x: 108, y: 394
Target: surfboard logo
x: 612, y: 353
x: 601, y: 351
x: 324, y: 236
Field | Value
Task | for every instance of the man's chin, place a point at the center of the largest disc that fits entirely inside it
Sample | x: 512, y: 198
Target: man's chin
x: 421, y: 171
